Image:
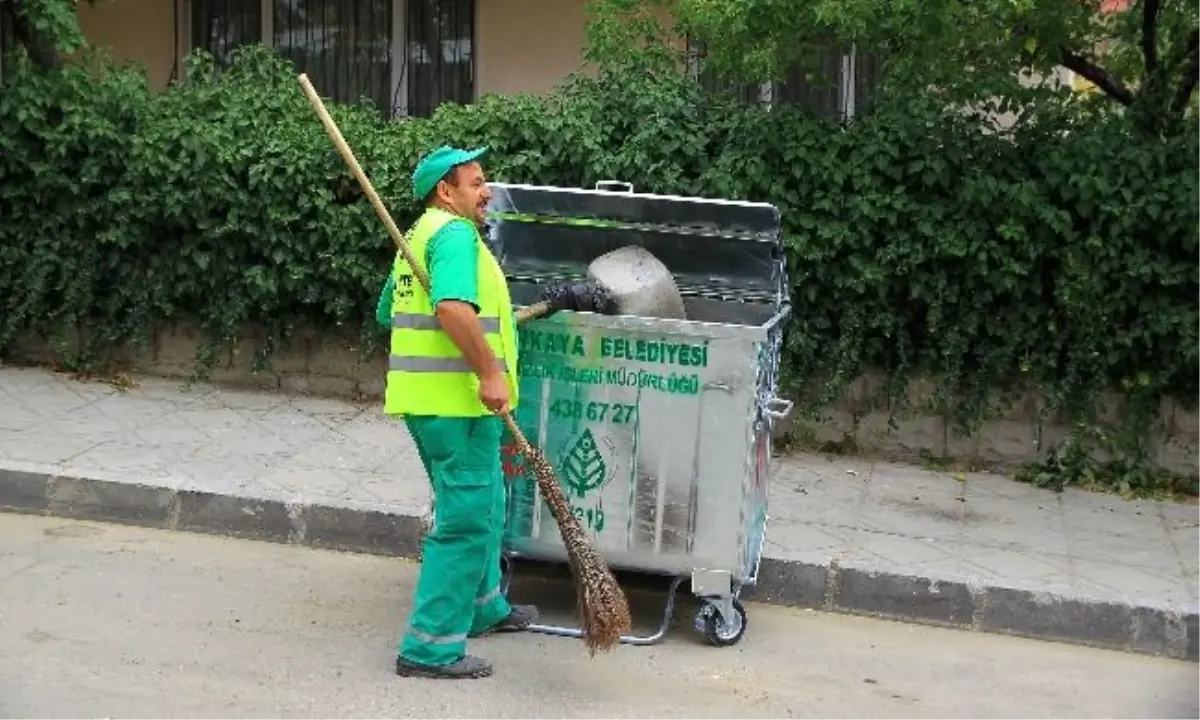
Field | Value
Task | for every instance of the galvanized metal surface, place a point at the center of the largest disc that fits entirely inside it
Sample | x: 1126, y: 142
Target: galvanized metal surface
x: 715, y: 248
x: 659, y: 428
x: 638, y: 282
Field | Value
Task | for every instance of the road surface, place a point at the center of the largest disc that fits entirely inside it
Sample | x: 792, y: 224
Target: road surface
x: 101, y: 620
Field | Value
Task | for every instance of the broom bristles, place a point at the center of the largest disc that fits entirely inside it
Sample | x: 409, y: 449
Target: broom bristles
x: 600, y: 601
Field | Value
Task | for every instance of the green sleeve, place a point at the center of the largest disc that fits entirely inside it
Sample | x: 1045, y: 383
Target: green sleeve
x: 452, y: 258
x: 383, y: 311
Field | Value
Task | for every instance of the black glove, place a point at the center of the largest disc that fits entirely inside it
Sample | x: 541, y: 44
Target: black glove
x: 580, y: 296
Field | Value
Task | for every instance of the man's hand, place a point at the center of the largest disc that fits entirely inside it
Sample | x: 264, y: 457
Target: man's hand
x: 493, y: 392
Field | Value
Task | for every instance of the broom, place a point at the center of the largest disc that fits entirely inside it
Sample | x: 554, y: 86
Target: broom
x: 601, y: 603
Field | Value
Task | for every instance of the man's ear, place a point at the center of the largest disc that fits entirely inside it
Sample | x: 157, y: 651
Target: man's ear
x: 442, y: 189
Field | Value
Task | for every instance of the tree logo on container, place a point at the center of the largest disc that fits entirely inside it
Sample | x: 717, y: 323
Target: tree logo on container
x: 583, y: 466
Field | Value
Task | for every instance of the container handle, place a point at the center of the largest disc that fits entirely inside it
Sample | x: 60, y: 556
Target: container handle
x: 614, y: 186
x: 778, y: 408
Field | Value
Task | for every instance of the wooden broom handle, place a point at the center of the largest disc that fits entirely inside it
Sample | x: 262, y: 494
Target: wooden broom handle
x: 335, y: 135
x: 531, y: 312
x: 518, y: 436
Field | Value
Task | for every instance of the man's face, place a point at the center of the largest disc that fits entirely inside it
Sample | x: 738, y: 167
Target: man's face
x: 466, y: 192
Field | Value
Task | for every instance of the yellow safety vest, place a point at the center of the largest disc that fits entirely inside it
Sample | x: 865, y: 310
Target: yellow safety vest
x: 427, y: 373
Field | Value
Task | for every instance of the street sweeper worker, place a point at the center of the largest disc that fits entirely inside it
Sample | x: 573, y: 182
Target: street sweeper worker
x: 452, y: 367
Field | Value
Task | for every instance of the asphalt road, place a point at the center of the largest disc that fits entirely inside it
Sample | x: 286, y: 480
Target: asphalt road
x: 102, y: 620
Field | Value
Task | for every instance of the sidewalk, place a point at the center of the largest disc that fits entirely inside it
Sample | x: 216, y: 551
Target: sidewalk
x: 845, y: 534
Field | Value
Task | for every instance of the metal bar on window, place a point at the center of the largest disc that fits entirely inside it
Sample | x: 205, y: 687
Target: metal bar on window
x: 695, y: 54
x: 849, y: 75
x: 266, y: 18
x: 398, y: 59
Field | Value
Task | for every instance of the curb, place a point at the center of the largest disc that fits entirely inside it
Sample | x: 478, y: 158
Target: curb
x: 834, y: 588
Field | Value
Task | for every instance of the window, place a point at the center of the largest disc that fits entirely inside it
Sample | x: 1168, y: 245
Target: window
x: 221, y: 26
x: 711, y: 81
x: 405, y: 56
x: 833, y: 81
x: 818, y: 82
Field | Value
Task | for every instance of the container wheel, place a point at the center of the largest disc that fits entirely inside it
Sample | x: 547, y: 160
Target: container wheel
x: 721, y: 631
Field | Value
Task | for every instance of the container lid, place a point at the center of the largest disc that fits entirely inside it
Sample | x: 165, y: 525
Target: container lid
x: 714, y: 248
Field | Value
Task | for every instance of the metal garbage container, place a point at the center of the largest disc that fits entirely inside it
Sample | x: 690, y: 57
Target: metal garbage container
x: 659, y: 430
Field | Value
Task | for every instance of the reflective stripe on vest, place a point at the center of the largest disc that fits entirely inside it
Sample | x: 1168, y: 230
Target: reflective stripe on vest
x: 416, y: 321
x: 412, y: 363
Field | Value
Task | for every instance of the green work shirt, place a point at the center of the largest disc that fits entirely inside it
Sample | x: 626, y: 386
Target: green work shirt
x: 453, y: 261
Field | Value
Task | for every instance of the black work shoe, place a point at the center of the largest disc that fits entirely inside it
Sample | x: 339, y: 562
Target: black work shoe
x: 519, y: 618
x: 466, y: 668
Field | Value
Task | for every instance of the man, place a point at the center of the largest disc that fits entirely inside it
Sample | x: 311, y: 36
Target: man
x: 452, y: 368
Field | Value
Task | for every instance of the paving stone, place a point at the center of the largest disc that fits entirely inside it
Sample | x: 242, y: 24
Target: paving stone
x: 1049, y: 615
x: 1118, y: 581
x: 862, y: 589
x: 802, y: 584
x: 1157, y: 632
x: 233, y: 515
x: 1043, y: 572
x: 23, y: 490
x: 91, y: 499
x: 1193, y: 631
x: 363, y: 531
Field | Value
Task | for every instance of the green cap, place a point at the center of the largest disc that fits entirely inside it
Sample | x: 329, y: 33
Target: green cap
x: 434, y: 166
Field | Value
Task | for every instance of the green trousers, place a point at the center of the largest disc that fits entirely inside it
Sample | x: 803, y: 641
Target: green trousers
x: 458, y: 590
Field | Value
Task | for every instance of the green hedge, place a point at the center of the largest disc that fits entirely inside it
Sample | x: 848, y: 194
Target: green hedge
x: 1057, y: 258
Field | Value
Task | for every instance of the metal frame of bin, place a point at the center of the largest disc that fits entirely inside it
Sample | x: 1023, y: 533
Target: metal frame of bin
x: 727, y: 260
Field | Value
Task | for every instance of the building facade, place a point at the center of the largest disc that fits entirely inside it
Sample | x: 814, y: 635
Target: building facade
x: 409, y: 56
